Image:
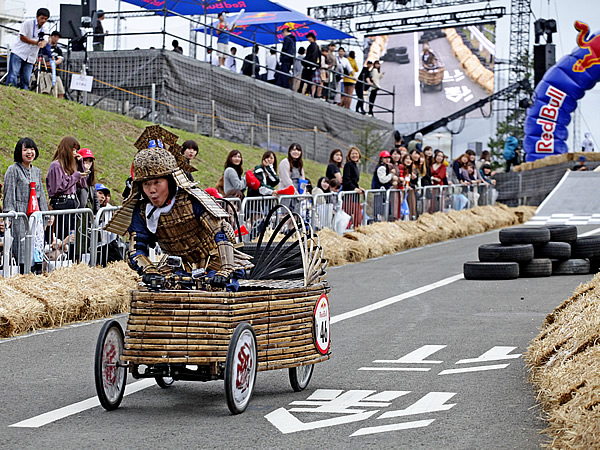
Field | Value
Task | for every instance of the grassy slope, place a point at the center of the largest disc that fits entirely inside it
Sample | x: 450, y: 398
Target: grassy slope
x: 110, y: 136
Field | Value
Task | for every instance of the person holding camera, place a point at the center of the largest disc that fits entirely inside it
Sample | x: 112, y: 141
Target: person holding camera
x: 45, y: 73
x: 25, y: 51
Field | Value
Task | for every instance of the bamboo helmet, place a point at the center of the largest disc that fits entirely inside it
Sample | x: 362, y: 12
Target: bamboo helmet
x: 154, y: 162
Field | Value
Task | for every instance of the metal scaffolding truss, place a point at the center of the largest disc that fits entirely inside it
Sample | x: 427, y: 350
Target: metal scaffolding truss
x: 342, y: 14
x: 421, y: 22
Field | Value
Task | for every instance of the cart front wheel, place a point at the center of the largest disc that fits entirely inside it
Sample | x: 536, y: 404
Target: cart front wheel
x: 109, y: 376
x: 300, y: 376
x: 164, y: 382
x: 240, y: 368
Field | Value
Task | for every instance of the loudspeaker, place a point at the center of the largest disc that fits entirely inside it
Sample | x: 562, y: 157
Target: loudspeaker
x: 544, y: 57
x: 88, y: 7
x: 70, y: 20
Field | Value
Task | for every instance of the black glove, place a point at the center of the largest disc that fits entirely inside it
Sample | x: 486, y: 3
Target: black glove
x: 153, y: 280
x: 219, y: 281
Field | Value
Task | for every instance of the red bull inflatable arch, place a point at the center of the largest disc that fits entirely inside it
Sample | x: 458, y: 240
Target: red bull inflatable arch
x: 557, y: 94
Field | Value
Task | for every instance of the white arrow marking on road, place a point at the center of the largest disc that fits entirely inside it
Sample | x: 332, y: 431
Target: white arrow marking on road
x: 416, y: 357
x: 393, y: 427
x: 57, y: 414
x: 473, y: 369
x: 495, y: 354
x: 90, y: 403
x: 432, y: 402
x: 287, y: 423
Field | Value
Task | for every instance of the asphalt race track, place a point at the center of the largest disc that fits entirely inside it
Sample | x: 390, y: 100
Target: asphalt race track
x: 434, y: 366
x: 414, y: 105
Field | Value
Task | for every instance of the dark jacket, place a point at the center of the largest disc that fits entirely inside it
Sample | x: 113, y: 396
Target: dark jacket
x: 313, y: 55
x: 289, y: 47
x: 249, y: 61
x: 376, y: 182
x: 351, y: 176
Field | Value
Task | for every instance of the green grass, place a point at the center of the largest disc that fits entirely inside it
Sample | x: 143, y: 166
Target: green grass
x: 110, y: 136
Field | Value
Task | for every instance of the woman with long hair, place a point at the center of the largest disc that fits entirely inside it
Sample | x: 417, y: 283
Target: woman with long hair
x: 376, y: 76
x: 17, y: 190
x: 234, y: 181
x: 334, y: 168
x: 291, y: 169
x: 438, y: 178
x: 266, y: 174
x: 458, y: 164
x: 350, y: 181
x: 65, y: 175
x: 410, y: 177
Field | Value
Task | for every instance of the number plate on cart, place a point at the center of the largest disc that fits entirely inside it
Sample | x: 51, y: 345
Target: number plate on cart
x: 322, y: 326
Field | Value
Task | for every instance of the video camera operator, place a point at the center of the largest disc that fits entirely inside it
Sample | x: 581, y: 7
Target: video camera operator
x: 45, y: 75
x: 25, y: 50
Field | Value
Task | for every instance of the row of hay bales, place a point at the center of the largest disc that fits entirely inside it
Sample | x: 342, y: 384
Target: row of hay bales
x: 556, y: 159
x: 384, y: 238
x: 564, y: 362
x: 473, y: 67
x: 31, y: 302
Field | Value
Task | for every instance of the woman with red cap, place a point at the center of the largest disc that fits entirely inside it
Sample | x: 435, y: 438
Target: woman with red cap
x: 385, y: 173
x: 87, y: 196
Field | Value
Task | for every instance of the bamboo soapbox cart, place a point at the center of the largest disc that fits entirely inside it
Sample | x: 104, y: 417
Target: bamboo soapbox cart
x: 432, y: 78
x: 198, y: 335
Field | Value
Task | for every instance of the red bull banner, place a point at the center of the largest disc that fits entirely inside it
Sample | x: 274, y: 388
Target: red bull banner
x: 557, y: 94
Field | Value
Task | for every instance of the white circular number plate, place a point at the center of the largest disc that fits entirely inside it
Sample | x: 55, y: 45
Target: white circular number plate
x: 322, y: 326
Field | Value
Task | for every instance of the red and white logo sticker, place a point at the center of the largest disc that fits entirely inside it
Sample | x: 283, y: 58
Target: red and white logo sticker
x: 322, y: 326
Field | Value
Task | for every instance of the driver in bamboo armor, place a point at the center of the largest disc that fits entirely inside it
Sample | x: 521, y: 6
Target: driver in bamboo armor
x: 184, y: 220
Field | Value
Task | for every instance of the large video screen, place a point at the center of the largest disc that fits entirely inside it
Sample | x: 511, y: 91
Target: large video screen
x: 437, y: 72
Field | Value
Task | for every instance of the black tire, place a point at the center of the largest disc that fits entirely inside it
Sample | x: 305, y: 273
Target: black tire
x: 404, y: 61
x: 586, y: 247
x: 562, y: 233
x: 571, y: 267
x: 241, y: 363
x: 505, y: 253
x: 164, y: 382
x: 537, y: 267
x: 402, y: 50
x: 110, y: 379
x: 475, y: 270
x: 525, y: 235
x: 300, y: 376
x: 554, y: 250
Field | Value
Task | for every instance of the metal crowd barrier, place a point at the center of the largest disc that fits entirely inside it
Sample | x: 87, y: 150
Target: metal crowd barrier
x: 375, y: 207
x: 323, y: 211
x: 352, y: 204
x: 253, y: 212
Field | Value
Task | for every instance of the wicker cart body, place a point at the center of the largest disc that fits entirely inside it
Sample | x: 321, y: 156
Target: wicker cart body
x: 195, y: 327
x: 431, y: 78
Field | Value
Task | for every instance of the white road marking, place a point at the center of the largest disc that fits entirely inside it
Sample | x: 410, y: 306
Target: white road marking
x: 417, y: 357
x: 432, y: 402
x: 396, y: 299
x: 75, y: 408
x: 590, y: 233
x: 393, y: 427
x: 473, y: 369
x: 417, y: 65
x: 494, y: 354
x: 57, y: 414
x: 398, y: 369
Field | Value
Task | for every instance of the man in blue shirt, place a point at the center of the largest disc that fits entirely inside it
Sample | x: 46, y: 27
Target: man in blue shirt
x: 222, y: 39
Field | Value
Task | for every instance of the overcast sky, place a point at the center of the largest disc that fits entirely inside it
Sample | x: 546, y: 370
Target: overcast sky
x: 564, y: 11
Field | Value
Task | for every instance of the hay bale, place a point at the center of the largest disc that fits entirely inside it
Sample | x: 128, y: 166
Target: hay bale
x: 63, y: 296
x: 333, y: 247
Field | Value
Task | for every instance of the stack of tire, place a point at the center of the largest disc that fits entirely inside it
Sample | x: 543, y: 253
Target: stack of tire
x: 536, y: 252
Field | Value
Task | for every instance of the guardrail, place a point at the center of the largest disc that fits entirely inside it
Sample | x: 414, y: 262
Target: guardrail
x: 65, y: 237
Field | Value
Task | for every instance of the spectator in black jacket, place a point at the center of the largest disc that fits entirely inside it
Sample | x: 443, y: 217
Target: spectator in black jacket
x: 286, y: 60
x: 311, y: 62
x: 351, y: 203
x: 362, y: 86
x: 251, y: 63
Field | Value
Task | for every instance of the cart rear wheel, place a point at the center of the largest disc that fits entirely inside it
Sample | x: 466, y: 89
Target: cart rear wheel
x: 110, y: 378
x: 240, y: 368
x: 164, y: 382
x: 300, y: 376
